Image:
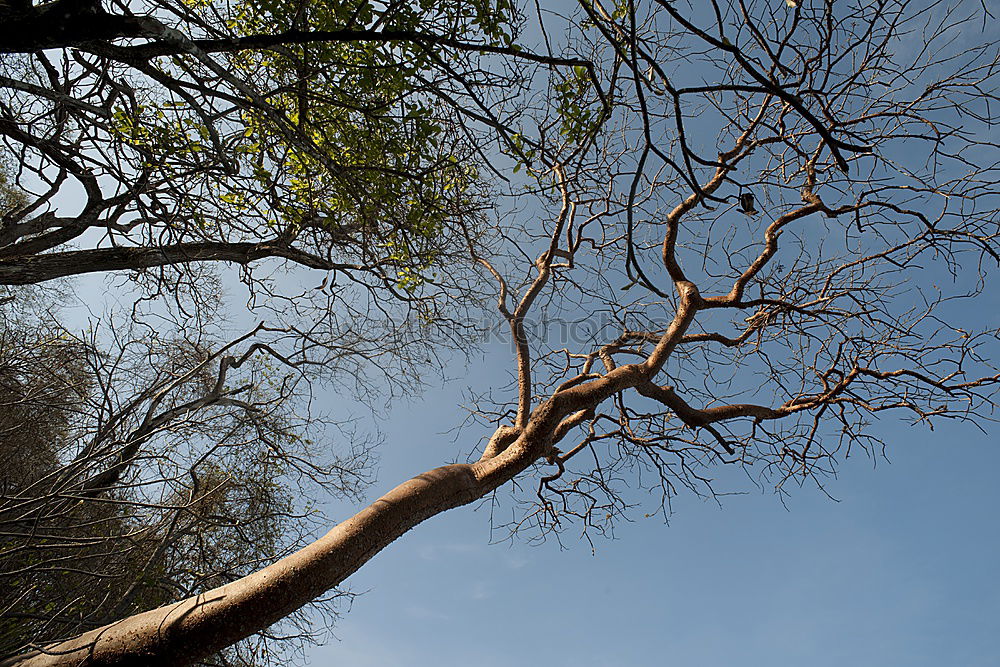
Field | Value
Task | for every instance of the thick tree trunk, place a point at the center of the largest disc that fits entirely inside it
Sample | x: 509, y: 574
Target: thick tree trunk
x: 184, y: 632
x: 194, y: 628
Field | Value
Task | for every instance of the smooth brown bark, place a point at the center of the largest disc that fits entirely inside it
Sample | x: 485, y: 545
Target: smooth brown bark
x: 194, y: 628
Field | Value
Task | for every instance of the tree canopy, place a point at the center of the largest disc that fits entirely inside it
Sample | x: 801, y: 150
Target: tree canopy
x: 761, y: 215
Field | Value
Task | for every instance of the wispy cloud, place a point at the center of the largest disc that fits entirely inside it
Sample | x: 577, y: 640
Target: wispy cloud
x: 480, y: 591
x: 422, y: 613
x: 515, y: 561
x: 436, y: 551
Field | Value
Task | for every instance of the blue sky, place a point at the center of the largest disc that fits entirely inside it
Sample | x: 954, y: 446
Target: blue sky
x: 900, y: 570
